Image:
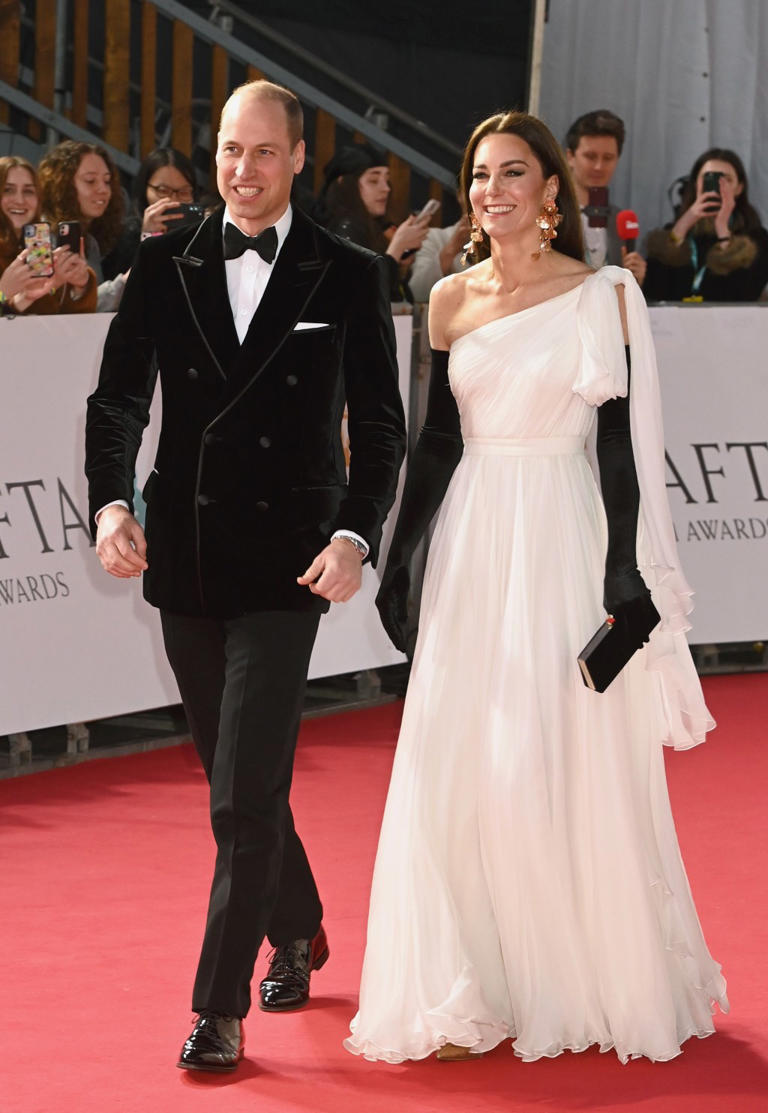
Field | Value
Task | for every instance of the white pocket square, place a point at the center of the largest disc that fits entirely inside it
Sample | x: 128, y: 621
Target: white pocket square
x: 302, y: 326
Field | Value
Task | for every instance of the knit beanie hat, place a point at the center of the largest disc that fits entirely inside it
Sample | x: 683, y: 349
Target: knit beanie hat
x: 354, y: 160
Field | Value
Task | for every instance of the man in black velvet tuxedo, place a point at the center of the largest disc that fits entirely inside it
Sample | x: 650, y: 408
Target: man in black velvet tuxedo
x: 262, y: 326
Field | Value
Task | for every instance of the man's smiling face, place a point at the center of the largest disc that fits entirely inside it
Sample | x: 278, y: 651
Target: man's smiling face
x: 256, y: 161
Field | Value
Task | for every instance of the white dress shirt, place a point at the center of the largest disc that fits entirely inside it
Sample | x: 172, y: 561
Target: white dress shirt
x: 595, y: 242
x: 247, y: 277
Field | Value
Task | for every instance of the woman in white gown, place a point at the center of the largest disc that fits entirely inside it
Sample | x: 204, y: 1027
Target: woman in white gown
x: 528, y: 882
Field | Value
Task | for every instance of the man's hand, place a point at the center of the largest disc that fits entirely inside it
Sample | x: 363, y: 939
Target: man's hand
x: 120, y: 543
x: 635, y: 263
x: 336, y: 573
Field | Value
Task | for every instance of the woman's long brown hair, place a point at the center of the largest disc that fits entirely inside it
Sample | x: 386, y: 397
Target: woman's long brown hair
x: 58, y: 192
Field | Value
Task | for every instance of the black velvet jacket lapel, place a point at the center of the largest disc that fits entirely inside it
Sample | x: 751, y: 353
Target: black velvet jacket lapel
x: 204, y: 282
x: 298, y: 270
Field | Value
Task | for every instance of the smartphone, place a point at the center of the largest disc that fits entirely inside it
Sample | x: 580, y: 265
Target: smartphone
x: 428, y: 211
x: 68, y: 234
x: 597, y: 207
x: 191, y: 213
x: 37, y: 241
x: 710, y: 183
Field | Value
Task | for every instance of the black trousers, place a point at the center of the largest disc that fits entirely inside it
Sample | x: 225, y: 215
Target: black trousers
x: 242, y: 683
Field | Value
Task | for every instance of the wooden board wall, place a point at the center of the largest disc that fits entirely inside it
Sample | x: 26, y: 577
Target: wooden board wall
x: 10, y: 31
x: 117, y: 73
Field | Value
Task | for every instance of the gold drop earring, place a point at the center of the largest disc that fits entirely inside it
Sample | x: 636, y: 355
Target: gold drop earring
x: 547, y: 221
x: 470, y: 252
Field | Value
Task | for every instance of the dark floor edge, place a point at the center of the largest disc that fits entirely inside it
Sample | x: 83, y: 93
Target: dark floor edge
x: 145, y: 745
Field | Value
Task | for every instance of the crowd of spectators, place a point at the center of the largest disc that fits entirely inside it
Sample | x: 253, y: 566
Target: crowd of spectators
x: 77, y: 185
x: 72, y: 286
x: 715, y: 248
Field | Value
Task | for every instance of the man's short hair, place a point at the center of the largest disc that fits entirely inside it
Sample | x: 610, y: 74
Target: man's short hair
x: 600, y: 122
x: 268, y: 90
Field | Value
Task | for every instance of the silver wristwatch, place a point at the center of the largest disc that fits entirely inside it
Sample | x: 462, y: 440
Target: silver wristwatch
x: 361, y: 548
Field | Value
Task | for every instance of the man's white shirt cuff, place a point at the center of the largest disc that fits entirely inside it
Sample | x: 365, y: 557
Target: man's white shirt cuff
x: 117, y: 502
x: 354, y: 537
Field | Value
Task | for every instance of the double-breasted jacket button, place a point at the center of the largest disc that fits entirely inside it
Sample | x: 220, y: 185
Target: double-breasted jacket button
x: 204, y: 500
x: 211, y: 438
x: 291, y: 380
x: 265, y: 442
x: 192, y: 373
x: 262, y: 506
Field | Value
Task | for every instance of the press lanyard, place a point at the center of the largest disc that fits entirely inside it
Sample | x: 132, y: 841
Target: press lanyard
x: 698, y: 272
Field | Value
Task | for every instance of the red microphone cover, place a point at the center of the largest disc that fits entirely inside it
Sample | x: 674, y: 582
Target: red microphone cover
x: 627, y: 225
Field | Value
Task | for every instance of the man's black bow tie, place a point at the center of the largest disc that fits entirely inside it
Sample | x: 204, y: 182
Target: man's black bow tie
x: 236, y: 243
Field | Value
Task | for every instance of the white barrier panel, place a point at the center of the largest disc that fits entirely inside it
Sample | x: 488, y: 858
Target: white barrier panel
x: 75, y: 643
x: 714, y: 385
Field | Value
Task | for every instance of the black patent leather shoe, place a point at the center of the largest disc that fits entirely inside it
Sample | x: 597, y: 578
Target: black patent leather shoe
x: 286, y: 985
x: 216, y: 1043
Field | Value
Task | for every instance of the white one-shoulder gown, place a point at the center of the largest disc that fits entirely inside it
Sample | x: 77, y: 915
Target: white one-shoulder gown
x: 528, y: 882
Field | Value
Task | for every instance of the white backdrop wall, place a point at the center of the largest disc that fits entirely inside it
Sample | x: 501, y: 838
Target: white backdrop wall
x: 684, y: 75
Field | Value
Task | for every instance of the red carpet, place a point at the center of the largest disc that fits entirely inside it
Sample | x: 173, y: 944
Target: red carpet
x: 105, y: 874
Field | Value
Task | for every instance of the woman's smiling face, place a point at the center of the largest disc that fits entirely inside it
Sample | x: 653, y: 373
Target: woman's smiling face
x: 93, y: 183
x: 508, y: 186
x: 19, y: 201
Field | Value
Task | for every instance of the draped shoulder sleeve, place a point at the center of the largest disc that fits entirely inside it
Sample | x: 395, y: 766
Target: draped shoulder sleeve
x: 602, y: 363
x: 603, y: 374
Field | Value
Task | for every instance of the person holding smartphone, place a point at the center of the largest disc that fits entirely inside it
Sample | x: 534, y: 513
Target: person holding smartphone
x: 79, y: 181
x: 593, y: 148
x: 717, y: 248
x: 163, y: 192
x: 70, y: 288
x: 354, y: 200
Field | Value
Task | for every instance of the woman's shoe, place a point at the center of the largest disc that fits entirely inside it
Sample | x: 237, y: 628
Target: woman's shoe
x: 452, y: 1053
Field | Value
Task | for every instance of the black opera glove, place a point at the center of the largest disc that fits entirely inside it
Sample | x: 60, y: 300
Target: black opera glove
x: 392, y: 604
x: 625, y: 594
x: 438, y: 451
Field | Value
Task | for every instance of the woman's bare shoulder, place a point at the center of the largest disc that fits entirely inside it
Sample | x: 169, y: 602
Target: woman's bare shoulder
x: 567, y: 266
x: 445, y: 300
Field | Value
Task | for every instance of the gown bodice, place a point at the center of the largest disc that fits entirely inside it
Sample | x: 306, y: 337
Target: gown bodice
x: 513, y: 377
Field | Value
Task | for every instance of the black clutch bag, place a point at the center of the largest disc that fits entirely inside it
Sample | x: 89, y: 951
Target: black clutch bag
x: 608, y: 650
